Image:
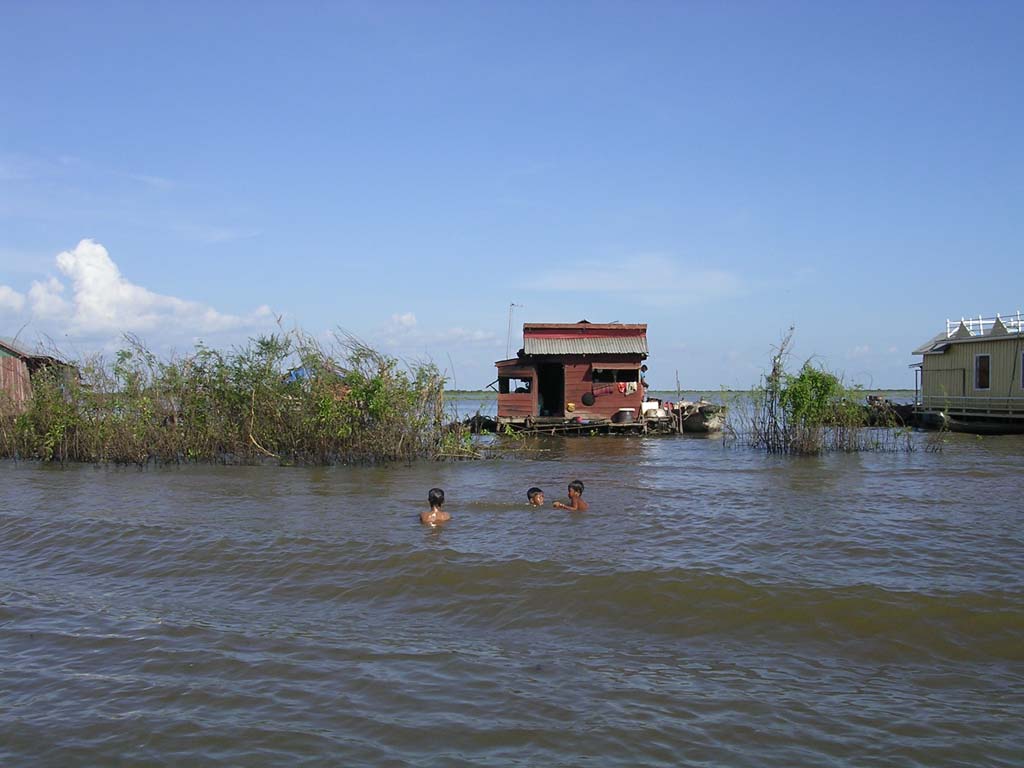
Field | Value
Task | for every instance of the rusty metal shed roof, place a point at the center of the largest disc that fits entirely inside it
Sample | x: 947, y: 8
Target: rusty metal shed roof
x: 583, y: 345
x: 15, y: 349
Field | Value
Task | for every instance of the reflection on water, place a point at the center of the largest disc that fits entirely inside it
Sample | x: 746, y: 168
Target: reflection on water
x: 716, y: 607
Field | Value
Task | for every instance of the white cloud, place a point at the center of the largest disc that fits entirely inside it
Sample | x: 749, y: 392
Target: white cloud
x: 157, y: 182
x: 862, y: 350
x: 467, y: 336
x: 104, y: 301
x: 101, y: 302
x: 455, y: 349
x: 651, y: 278
x: 45, y: 298
x: 10, y: 299
x: 405, y: 334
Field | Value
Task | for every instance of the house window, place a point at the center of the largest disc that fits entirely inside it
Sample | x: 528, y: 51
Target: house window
x: 981, y: 371
x: 514, y: 386
x: 612, y: 375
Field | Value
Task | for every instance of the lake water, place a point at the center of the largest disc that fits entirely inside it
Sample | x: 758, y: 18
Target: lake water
x: 715, y: 607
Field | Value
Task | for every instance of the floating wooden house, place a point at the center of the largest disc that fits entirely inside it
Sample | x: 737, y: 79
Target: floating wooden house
x: 971, y: 376
x: 584, y: 372
x: 17, y: 367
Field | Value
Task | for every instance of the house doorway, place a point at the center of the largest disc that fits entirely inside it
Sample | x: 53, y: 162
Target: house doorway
x: 550, y: 389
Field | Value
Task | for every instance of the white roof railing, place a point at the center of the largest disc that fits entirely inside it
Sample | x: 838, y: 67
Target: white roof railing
x: 979, y: 326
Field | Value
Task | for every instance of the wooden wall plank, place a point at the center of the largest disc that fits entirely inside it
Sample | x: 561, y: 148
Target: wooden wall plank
x: 15, y: 381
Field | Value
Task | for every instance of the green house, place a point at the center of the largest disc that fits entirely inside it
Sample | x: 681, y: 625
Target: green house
x: 971, y: 376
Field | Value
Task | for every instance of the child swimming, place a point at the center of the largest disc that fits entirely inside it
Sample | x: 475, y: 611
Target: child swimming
x: 436, y: 515
x: 576, y: 502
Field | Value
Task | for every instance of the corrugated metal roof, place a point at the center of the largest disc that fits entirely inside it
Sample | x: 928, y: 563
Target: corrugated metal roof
x: 15, y: 348
x: 630, y: 345
x: 929, y: 344
x: 586, y: 326
x: 21, y: 352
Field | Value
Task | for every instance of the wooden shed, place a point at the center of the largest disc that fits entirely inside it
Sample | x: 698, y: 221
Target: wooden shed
x: 972, y: 375
x: 586, y: 371
x: 17, y: 367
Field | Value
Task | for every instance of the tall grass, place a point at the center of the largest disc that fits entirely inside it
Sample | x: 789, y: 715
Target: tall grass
x: 810, y: 412
x: 343, y: 404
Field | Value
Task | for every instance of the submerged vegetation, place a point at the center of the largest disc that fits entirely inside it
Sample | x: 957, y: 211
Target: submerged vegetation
x: 282, y: 397
x: 811, y: 412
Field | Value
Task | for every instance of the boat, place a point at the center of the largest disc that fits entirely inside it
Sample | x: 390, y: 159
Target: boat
x: 880, y: 411
x: 702, y: 417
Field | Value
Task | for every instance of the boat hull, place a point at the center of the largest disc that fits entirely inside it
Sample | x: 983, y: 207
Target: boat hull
x: 705, y: 419
x: 974, y: 425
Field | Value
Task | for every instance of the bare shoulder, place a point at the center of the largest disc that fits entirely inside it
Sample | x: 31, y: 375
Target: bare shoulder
x: 432, y: 517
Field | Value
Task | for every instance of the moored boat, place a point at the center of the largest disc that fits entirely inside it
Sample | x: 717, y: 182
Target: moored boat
x: 702, y: 417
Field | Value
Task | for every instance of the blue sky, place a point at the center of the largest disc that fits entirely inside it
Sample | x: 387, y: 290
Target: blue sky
x: 405, y: 171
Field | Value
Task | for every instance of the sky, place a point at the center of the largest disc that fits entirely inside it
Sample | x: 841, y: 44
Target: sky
x: 407, y: 171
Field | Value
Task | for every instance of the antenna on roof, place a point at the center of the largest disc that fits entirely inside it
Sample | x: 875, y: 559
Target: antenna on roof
x: 508, y: 338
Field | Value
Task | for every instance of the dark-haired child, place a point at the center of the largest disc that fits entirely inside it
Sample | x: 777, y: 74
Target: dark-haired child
x: 535, y: 496
x: 576, y: 502
x: 436, y: 515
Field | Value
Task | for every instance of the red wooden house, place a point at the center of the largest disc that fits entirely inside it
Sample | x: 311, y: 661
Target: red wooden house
x: 590, y: 371
x: 17, y: 367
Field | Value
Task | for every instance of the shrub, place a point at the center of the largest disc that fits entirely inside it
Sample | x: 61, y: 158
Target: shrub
x: 808, y: 413
x: 350, y: 404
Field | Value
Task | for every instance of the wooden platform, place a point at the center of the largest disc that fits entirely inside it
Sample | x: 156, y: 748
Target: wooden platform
x: 547, y: 425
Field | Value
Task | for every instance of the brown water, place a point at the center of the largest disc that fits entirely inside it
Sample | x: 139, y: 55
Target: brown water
x: 715, y: 607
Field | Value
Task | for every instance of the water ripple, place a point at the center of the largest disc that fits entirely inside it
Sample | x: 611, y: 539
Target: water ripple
x: 715, y: 607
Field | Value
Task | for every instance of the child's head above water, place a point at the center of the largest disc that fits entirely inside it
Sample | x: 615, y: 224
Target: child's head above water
x: 577, y: 486
x: 436, y: 514
x: 535, y: 496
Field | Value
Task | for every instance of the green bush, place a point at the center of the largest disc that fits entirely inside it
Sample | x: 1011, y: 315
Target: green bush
x: 811, y: 412
x: 811, y: 396
x: 348, y: 404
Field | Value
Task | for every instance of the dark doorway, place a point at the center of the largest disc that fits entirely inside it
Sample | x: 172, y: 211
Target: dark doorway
x: 550, y: 387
